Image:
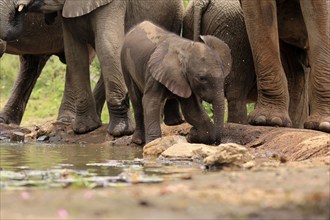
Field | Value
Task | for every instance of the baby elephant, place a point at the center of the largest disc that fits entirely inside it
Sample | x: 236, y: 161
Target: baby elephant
x: 159, y: 65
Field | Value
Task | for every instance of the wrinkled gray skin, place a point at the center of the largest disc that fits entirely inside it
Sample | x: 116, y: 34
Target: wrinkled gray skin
x: 86, y: 23
x: 224, y: 19
x: 34, y: 50
x: 276, y: 28
x: 158, y: 65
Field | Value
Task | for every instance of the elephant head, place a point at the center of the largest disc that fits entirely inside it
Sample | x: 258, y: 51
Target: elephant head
x: 186, y: 67
x: 12, y: 12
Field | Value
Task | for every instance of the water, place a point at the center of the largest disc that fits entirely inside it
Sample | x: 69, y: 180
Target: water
x: 36, y: 165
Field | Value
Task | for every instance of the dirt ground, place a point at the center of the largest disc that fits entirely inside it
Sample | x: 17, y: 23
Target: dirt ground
x: 291, y: 182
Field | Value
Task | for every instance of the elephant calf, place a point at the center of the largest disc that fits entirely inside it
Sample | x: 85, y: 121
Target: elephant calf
x: 159, y: 65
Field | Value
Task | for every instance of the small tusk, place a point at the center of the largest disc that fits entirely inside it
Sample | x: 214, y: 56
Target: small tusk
x: 20, y: 8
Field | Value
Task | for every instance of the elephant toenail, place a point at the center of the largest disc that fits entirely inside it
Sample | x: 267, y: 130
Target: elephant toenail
x: 277, y: 121
x: 261, y: 119
x: 325, y: 126
x: 308, y: 125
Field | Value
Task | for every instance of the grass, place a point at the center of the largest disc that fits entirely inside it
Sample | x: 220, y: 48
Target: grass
x: 47, y: 94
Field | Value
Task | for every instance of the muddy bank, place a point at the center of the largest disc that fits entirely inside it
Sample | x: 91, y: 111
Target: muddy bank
x: 290, y: 180
x: 267, y: 193
x: 287, y: 143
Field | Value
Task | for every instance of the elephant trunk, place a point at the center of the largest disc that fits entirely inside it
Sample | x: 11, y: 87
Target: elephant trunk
x: 199, y: 7
x: 218, y: 113
x: 11, y: 21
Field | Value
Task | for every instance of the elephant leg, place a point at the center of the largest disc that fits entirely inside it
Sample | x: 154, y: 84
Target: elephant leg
x: 236, y: 90
x: 136, y: 99
x: 153, y: 102
x: 30, y: 69
x: 293, y: 60
x: 108, y: 41
x: 316, y: 17
x: 237, y: 112
x: 273, y: 98
x: 99, y: 95
x: 203, y: 129
x: 66, y: 111
x: 172, y: 115
x: 77, y: 58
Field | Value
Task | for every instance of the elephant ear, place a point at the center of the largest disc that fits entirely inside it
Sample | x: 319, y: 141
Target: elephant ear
x: 222, y: 49
x: 76, y: 8
x: 167, y: 66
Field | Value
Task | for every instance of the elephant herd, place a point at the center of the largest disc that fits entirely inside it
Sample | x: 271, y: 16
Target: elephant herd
x: 275, y: 53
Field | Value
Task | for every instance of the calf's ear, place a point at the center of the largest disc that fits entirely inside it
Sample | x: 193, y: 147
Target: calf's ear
x: 167, y: 67
x: 222, y: 50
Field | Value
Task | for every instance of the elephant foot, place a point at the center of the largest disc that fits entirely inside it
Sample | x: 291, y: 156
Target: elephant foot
x: 120, y: 119
x: 318, y: 122
x: 84, y: 124
x: 120, y: 125
x: 270, y: 116
x: 5, y: 119
x: 66, y: 117
x: 138, y: 137
x: 196, y: 136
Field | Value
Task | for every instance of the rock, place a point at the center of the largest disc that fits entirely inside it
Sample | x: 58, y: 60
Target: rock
x: 45, y: 129
x: 249, y: 164
x: 229, y: 155
x: 182, y: 151
x: 156, y: 147
x: 43, y: 138
x: 17, y: 137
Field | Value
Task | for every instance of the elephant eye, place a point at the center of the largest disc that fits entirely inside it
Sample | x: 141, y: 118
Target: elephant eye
x: 202, y: 79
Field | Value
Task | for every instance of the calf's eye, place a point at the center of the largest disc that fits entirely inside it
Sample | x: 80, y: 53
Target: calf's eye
x: 202, y: 78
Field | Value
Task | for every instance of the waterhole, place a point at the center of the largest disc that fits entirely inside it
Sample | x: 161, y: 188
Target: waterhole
x: 34, y: 165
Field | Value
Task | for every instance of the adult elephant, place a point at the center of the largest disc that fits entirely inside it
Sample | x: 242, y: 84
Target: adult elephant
x: 102, y: 25
x: 301, y: 28
x: 34, y: 50
x: 224, y: 20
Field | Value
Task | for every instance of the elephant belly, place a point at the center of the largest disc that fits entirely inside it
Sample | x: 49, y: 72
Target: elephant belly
x: 83, y: 29
x: 38, y: 37
x: 291, y: 25
x: 167, y: 14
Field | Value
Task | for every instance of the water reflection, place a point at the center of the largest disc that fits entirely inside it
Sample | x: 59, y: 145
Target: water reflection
x: 14, y: 157
x: 94, y: 165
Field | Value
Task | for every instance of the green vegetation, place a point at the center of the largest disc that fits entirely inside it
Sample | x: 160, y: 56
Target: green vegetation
x: 47, y: 94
